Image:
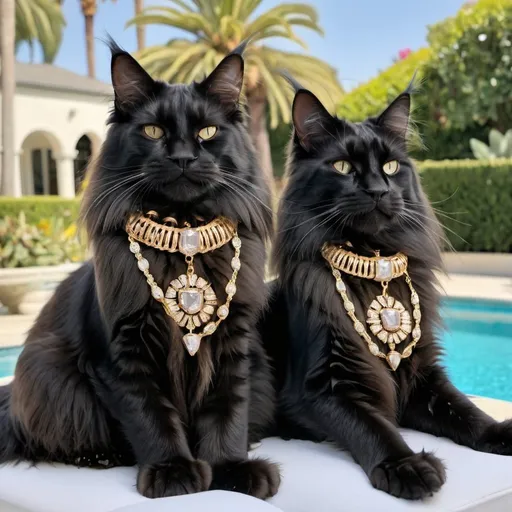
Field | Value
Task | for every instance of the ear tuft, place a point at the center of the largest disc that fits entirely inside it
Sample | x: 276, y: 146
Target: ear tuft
x: 291, y: 80
x: 132, y: 85
x: 310, y: 118
x: 225, y: 82
x: 395, y: 119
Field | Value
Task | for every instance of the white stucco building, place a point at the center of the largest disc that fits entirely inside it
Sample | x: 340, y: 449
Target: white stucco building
x: 59, y: 124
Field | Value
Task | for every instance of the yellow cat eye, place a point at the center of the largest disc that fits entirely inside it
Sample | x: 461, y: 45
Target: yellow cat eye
x: 153, y: 131
x: 342, y: 166
x: 207, y: 133
x: 391, y: 167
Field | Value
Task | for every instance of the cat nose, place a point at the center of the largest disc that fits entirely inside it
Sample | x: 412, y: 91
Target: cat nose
x: 377, y: 193
x: 183, y: 160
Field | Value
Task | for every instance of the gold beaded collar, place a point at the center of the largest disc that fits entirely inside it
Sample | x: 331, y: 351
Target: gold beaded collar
x: 380, y: 268
x: 190, y: 299
x: 202, y: 239
x: 388, y: 319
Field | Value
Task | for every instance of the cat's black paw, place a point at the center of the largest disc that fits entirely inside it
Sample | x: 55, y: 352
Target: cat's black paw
x: 497, y: 439
x: 413, y: 478
x: 256, y: 477
x: 179, y: 476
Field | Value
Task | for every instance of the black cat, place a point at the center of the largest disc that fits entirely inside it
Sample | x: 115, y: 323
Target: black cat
x: 104, y: 378
x: 355, y: 183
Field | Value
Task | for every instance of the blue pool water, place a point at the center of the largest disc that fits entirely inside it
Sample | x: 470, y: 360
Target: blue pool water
x: 8, y: 357
x: 477, y: 344
x: 478, y: 347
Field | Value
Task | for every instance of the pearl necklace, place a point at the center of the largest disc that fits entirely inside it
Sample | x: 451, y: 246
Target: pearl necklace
x: 189, y: 300
x: 387, y: 318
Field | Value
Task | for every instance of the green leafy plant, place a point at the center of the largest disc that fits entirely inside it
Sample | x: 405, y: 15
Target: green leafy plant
x: 470, y: 72
x: 476, y: 194
x: 372, y: 97
x: 48, y: 243
x: 465, y: 77
x: 500, y: 146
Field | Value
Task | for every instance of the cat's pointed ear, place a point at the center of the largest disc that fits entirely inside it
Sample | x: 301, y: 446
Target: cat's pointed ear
x: 310, y: 117
x: 395, y: 119
x: 225, y: 82
x: 132, y: 84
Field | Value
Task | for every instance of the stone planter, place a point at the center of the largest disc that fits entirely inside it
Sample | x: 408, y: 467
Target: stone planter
x: 16, y: 282
x: 478, y: 263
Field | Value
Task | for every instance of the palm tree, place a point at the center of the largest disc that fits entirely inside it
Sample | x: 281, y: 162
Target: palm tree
x: 89, y: 9
x: 141, y: 29
x: 219, y: 26
x: 42, y: 21
x: 7, y: 38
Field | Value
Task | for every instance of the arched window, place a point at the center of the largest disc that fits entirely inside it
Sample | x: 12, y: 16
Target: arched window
x: 84, y: 152
x: 38, y: 165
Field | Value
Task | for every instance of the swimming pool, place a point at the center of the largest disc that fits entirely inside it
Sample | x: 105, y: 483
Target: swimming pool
x: 477, y: 343
x: 478, y: 347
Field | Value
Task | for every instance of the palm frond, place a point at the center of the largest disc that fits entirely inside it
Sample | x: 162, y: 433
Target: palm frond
x: 247, y: 8
x: 189, y: 22
x: 42, y: 21
x: 219, y: 25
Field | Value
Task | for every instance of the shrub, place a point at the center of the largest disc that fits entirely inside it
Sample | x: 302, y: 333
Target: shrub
x: 372, y: 97
x: 470, y: 72
x: 47, y: 243
x: 36, y: 208
x: 478, y: 195
x: 466, y: 74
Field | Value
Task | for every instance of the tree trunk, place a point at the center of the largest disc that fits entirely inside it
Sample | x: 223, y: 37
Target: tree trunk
x: 8, y: 83
x: 89, y: 42
x: 141, y: 29
x: 257, y: 104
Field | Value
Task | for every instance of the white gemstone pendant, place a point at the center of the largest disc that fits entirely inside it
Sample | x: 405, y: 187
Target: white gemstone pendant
x: 192, y: 342
x: 393, y: 358
x: 190, y: 242
x: 191, y: 300
x: 384, y: 270
x: 390, y: 319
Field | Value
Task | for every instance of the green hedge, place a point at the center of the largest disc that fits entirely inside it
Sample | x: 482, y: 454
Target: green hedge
x: 371, y: 98
x: 40, y: 207
x: 478, y: 194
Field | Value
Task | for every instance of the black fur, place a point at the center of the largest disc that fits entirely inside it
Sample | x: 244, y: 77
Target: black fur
x: 330, y: 386
x: 104, y: 378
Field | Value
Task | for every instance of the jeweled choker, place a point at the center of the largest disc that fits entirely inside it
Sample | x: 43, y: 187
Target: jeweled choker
x: 387, y: 318
x: 189, y: 300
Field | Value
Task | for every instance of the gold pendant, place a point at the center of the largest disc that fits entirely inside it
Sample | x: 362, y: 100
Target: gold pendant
x: 389, y: 320
x: 190, y: 302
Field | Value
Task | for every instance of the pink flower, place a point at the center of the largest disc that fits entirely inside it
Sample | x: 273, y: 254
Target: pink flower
x: 402, y: 54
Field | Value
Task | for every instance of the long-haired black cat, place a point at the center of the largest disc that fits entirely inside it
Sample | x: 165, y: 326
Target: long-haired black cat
x: 354, y: 186
x: 104, y: 378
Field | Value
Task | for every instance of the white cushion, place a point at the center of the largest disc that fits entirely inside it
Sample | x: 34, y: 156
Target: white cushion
x: 59, y: 488
x: 316, y: 478
x: 320, y: 478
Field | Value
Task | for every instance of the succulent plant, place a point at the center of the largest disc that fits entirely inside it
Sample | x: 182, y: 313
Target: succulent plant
x: 500, y: 146
x: 25, y: 245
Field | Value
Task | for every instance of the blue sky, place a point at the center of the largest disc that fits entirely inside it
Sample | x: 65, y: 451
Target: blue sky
x: 361, y: 36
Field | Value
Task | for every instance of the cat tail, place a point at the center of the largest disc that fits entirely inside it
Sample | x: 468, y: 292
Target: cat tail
x: 10, y: 445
